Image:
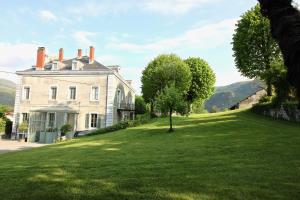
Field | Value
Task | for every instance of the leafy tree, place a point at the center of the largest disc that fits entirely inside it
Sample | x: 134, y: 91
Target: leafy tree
x: 161, y: 72
x: 278, y: 74
x: 140, y: 105
x: 198, y: 107
x: 171, y: 100
x: 3, y: 110
x: 203, y: 80
x: 253, y: 46
x: 3, y: 120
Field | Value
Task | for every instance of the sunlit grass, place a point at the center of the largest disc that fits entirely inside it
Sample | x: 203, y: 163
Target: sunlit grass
x: 233, y: 155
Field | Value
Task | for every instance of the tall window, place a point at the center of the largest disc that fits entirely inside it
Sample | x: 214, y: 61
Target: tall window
x: 94, y: 119
x: 74, y: 65
x: 51, y: 121
x: 26, y: 93
x: 95, y: 93
x: 119, y: 96
x: 53, y: 93
x: 54, y: 66
x: 25, y: 117
x: 72, y: 93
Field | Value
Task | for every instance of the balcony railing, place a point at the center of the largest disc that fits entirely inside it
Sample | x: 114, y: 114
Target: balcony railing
x: 126, y: 106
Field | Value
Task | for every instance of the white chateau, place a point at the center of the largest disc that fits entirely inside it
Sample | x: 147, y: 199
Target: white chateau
x: 79, y: 91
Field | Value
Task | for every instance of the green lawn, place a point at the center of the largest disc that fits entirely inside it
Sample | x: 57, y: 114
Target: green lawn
x: 233, y: 155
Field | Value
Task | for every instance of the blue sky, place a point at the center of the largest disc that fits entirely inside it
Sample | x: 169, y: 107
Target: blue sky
x: 129, y: 33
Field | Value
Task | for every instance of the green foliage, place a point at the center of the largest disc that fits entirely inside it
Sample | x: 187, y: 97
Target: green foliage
x: 278, y: 79
x: 253, y: 46
x: 203, y: 80
x: 163, y: 71
x: 4, y: 109
x: 23, y: 127
x: 265, y: 99
x: 198, y: 107
x: 170, y: 100
x: 140, y: 105
x: 2, y: 125
x: 65, y: 129
x: 139, y: 120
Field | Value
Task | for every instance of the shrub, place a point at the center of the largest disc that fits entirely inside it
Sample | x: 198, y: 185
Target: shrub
x: 266, y: 99
x: 65, y: 129
x: 141, y: 119
x: 23, y: 127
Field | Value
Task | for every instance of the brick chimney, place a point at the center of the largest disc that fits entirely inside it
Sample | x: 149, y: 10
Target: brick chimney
x: 61, y: 55
x: 92, y: 54
x: 79, y: 53
x: 40, y: 58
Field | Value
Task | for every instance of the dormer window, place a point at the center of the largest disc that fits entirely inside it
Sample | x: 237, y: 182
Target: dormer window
x: 55, y: 66
x: 74, y: 65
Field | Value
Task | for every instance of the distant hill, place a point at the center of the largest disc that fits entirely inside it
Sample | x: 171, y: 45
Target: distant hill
x: 227, y: 96
x: 7, y: 92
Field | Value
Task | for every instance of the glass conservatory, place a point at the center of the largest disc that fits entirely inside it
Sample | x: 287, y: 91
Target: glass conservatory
x: 45, y: 124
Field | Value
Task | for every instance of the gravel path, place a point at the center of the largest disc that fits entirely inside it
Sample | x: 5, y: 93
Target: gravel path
x: 10, y: 145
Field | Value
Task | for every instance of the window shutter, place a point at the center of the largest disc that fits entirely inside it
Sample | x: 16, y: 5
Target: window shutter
x: 98, y: 121
x: 87, y: 121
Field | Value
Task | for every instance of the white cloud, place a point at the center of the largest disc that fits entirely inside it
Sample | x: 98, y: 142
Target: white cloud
x: 95, y: 8
x: 108, y: 59
x: 204, y: 37
x: 83, y: 38
x: 14, y: 57
x: 227, y: 78
x: 173, y: 6
x: 47, y: 15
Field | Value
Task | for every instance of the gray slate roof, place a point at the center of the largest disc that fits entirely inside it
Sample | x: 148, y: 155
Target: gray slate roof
x: 95, y: 66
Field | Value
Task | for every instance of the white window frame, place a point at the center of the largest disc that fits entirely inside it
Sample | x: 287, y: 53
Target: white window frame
x: 22, y: 118
x: 23, y: 93
x: 73, y: 65
x: 69, y: 93
x: 90, y: 120
x: 50, y: 92
x: 48, y: 119
x: 92, y: 95
x: 53, y: 64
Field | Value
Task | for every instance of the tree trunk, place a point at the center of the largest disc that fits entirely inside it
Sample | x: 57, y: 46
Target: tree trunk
x: 269, y: 89
x: 152, y: 114
x: 171, y: 123
x: 298, y: 97
x: 268, y: 78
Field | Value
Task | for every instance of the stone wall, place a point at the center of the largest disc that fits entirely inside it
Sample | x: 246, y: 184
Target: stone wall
x: 288, y: 113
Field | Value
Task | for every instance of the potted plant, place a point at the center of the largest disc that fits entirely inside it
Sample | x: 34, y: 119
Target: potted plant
x: 23, y: 128
x: 64, y: 130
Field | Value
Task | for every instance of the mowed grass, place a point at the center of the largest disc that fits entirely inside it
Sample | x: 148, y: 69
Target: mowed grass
x: 233, y: 155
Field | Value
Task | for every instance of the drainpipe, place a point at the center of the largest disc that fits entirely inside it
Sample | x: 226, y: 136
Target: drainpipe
x: 106, y: 100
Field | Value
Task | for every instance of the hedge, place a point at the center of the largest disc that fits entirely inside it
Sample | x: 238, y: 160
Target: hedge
x: 140, y: 119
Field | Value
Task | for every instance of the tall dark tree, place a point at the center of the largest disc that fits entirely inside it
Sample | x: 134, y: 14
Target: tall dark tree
x: 140, y: 105
x: 285, y: 28
x: 253, y: 46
